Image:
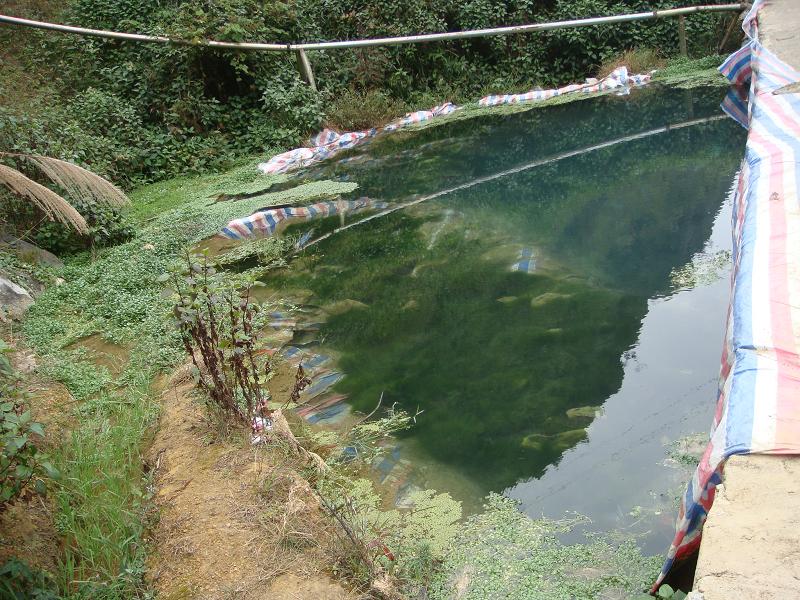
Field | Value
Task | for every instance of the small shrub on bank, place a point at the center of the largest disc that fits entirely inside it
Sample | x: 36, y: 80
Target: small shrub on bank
x: 219, y: 324
x: 22, y: 464
x: 353, y: 111
x: 107, y: 227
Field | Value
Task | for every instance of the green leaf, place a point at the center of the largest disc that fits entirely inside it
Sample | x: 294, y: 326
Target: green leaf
x: 665, y: 591
x: 25, y: 417
x: 51, y: 471
x: 36, y: 428
x: 23, y: 472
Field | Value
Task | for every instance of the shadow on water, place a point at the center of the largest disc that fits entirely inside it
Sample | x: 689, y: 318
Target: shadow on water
x: 511, y: 367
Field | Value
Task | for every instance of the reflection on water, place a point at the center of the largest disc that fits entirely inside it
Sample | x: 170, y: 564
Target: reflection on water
x: 532, y: 317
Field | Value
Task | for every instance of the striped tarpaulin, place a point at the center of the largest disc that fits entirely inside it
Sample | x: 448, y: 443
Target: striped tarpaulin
x: 264, y: 223
x: 328, y: 142
x: 618, y: 80
x: 758, y: 404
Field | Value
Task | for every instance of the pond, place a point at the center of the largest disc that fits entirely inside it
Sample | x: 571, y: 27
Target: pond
x: 556, y: 316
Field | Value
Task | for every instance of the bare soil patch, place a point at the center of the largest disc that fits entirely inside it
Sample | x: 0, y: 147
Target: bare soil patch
x: 234, y: 520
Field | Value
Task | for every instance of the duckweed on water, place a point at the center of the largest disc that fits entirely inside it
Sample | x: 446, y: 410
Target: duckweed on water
x: 501, y: 553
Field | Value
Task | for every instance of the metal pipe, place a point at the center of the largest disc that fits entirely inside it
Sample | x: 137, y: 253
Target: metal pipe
x: 305, y: 69
x: 456, y: 35
x: 139, y: 37
x: 428, y: 37
x: 682, y: 35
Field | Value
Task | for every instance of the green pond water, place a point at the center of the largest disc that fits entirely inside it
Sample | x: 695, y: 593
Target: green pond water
x: 562, y: 386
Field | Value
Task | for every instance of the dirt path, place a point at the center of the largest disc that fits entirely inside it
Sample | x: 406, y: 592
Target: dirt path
x: 233, y: 521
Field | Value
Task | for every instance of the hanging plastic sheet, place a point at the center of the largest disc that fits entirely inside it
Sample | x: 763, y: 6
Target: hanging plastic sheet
x: 758, y: 404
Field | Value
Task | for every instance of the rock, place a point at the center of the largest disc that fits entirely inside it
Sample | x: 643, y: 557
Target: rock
x: 548, y: 297
x: 14, y: 299
x: 28, y: 252
x: 584, y: 412
x: 427, y: 265
x: 23, y: 361
x: 535, y: 441
x: 404, y: 496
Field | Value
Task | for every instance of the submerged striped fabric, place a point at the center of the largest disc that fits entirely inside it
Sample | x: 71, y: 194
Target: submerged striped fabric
x: 758, y: 406
x: 264, y: 223
x: 328, y: 142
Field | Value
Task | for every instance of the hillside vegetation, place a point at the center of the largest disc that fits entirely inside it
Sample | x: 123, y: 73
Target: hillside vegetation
x: 139, y: 113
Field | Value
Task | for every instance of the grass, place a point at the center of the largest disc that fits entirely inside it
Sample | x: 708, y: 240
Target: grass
x: 692, y: 72
x: 102, y: 497
x: 637, y: 60
x: 353, y: 111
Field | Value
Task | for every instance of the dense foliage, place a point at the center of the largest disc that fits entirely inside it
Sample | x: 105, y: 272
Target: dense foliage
x: 142, y: 112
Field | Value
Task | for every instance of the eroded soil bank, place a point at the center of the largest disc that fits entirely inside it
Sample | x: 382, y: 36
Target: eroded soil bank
x: 235, y: 520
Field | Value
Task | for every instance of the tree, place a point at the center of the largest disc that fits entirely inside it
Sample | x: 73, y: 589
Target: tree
x: 78, y: 182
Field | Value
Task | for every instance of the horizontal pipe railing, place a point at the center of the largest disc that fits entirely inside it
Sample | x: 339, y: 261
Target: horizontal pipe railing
x: 386, y: 41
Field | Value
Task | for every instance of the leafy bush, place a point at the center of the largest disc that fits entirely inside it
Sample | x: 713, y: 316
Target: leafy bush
x: 22, y: 464
x: 144, y: 112
x: 218, y: 324
x: 18, y: 581
x: 107, y: 227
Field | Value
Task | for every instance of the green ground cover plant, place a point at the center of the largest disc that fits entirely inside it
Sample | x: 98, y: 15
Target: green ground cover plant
x: 102, y: 496
x: 501, y: 553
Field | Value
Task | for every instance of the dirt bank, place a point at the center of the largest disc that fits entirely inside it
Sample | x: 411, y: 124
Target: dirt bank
x: 234, y: 520
x: 750, y: 541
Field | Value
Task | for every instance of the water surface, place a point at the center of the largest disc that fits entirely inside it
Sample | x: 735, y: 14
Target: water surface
x: 562, y: 382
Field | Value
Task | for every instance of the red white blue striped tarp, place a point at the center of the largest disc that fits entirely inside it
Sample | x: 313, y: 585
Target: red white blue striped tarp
x: 264, y: 223
x: 618, y: 80
x: 758, y: 404
x: 327, y: 142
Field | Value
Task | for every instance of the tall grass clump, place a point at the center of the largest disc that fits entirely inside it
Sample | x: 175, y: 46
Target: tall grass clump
x: 102, y: 497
